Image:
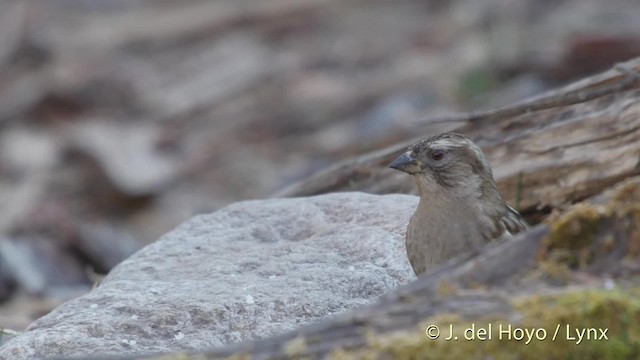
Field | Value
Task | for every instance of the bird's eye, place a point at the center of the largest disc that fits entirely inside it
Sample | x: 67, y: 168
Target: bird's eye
x: 437, y: 155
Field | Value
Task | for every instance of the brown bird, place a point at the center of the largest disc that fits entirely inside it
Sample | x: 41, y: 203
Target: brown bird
x: 460, y: 208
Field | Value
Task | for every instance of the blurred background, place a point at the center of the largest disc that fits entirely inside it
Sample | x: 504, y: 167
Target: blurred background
x: 120, y: 119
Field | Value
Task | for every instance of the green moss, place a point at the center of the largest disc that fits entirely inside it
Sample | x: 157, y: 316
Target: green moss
x: 575, y: 235
x: 627, y: 192
x: 446, y: 288
x: 618, y: 311
x: 556, y: 271
x: 295, y: 347
x: 575, y: 229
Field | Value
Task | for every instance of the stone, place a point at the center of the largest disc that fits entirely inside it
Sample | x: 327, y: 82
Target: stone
x: 127, y: 154
x: 247, y: 271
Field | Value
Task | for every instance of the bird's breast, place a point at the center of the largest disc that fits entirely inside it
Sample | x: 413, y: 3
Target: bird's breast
x: 438, y: 233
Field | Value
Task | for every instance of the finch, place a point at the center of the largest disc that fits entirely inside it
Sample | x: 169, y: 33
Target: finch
x: 460, y: 208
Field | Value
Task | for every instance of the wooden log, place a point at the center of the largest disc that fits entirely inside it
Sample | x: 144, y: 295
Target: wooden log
x: 548, y: 151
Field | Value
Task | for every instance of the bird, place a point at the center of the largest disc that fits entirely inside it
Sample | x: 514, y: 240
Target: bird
x: 460, y: 209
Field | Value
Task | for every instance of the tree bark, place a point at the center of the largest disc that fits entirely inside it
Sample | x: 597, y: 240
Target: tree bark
x: 548, y: 151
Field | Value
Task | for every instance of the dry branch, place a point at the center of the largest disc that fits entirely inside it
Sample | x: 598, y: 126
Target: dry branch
x: 550, y: 150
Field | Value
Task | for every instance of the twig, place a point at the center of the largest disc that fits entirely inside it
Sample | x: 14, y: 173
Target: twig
x: 629, y: 80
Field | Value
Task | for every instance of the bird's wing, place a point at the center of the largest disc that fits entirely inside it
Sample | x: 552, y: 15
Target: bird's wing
x: 513, y: 222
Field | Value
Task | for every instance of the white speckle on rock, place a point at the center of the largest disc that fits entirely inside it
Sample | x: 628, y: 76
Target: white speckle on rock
x: 352, y: 268
x: 93, y: 306
x: 134, y: 317
x: 250, y: 299
x: 179, y: 335
x: 272, y: 276
x: 129, y: 342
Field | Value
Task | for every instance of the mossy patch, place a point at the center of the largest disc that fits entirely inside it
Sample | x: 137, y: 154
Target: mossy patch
x: 295, y: 347
x: 446, y: 288
x: 576, y: 235
x: 572, y: 234
x: 615, y: 311
x: 628, y: 192
x: 536, y: 318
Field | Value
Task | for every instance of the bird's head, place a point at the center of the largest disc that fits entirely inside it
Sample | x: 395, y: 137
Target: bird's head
x: 446, y: 162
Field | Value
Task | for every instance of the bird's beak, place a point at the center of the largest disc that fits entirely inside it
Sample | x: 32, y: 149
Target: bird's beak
x: 406, y: 163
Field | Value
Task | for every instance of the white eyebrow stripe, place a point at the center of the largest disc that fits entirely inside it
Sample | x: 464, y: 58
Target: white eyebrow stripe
x: 446, y: 143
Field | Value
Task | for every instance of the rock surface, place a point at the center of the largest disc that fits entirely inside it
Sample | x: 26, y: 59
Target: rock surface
x: 250, y: 270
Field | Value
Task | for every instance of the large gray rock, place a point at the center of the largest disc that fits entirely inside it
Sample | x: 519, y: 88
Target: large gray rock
x: 249, y: 270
